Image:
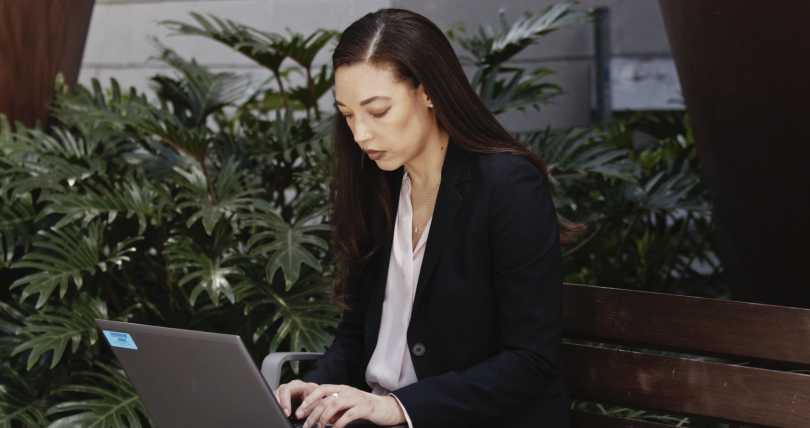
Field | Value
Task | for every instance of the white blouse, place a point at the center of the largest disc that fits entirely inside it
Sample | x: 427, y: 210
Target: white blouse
x: 391, y: 367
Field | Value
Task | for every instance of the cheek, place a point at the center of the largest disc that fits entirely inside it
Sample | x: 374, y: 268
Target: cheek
x: 409, y: 126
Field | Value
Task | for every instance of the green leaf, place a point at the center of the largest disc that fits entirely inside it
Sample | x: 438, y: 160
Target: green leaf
x: 55, y: 328
x: 299, y: 48
x: 302, y: 321
x: 16, y: 216
x: 209, y: 270
x: 303, y: 314
x: 309, y: 96
x: 132, y: 198
x: 229, y: 196
x: 19, y: 402
x: 198, y: 93
x: 52, y: 161
x: 117, y: 405
x: 572, y: 153
x: 492, y: 50
x: 67, y: 254
x: 287, y: 245
x: 248, y: 41
x: 518, y: 93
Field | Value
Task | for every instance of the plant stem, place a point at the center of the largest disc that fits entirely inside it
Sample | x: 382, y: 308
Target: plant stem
x: 281, y: 89
x: 311, y: 84
x: 583, y: 243
x: 210, y: 184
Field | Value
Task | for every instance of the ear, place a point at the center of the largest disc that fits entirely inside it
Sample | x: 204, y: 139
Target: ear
x: 423, y: 96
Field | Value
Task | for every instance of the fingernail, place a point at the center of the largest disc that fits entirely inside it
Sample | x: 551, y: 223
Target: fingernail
x: 306, y: 425
x: 287, y: 411
x: 299, y: 414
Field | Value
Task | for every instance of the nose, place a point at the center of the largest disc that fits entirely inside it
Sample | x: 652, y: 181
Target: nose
x: 361, y: 132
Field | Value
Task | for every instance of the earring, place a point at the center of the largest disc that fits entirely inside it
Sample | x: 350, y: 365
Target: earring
x: 431, y: 105
x: 362, y: 159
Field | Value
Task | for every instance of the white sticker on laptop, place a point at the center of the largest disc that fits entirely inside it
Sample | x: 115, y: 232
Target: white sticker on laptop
x: 120, y: 340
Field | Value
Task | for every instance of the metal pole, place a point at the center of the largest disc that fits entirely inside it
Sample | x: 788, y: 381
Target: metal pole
x: 604, y: 101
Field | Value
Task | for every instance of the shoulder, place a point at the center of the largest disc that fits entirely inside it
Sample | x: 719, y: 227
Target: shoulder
x: 499, y: 169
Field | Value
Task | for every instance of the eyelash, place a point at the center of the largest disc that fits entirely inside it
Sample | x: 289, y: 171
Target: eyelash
x: 375, y: 115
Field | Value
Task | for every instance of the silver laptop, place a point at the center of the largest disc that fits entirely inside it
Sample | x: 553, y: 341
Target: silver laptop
x: 193, y: 379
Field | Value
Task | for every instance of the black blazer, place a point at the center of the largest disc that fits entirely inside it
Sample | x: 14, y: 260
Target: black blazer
x: 488, y: 308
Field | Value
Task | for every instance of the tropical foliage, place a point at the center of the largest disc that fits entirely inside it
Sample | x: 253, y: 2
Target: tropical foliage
x: 201, y: 205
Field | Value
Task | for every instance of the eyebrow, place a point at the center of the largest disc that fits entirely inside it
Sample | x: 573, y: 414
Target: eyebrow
x: 366, y: 101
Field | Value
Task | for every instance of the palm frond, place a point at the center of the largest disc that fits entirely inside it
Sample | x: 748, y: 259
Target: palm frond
x: 299, y: 48
x: 246, y: 40
x: 55, y: 327
x: 576, y: 152
x: 117, y: 405
x: 287, y: 242
x: 20, y: 404
x: 130, y: 198
x: 10, y: 141
x: 52, y: 161
x: 229, y: 196
x: 491, y: 50
x: 305, y: 312
x: 519, y: 92
x: 208, y: 268
x: 16, y: 216
x: 67, y: 254
x: 309, y: 96
x: 198, y: 92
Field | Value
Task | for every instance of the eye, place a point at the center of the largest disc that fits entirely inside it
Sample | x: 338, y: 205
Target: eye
x: 380, y: 114
x: 347, y: 115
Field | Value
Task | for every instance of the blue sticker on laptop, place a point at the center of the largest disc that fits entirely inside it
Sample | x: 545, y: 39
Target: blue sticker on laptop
x: 120, y: 340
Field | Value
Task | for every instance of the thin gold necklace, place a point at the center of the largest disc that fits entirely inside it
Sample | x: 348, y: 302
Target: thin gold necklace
x: 426, y: 205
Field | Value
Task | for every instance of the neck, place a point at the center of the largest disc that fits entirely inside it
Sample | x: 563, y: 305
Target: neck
x: 425, y: 169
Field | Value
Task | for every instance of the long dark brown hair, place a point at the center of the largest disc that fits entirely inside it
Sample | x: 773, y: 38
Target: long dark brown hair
x: 417, y: 52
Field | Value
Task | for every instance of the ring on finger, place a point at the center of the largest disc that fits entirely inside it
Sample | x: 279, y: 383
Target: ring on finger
x: 335, y: 394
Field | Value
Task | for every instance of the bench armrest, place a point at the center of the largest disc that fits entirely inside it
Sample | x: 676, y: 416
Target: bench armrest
x: 271, y: 366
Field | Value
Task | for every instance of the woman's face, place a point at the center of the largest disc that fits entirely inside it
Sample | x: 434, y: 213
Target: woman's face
x: 385, y: 116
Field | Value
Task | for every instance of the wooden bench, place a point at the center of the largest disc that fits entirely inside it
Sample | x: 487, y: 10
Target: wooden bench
x: 772, y: 339
x: 769, y: 339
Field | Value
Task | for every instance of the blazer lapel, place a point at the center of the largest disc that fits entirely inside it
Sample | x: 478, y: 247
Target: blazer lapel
x: 455, y: 170
x: 377, y: 292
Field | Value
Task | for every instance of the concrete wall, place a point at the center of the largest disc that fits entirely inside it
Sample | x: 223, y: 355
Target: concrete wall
x: 120, y: 39
x: 643, y: 74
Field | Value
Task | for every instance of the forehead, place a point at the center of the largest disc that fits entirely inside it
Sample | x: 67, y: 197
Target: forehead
x: 358, y: 82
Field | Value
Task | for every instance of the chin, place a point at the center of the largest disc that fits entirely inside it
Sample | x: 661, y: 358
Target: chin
x: 387, y: 165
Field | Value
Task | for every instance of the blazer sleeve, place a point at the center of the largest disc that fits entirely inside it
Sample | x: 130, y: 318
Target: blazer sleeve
x: 528, y: 287
x: 340, y: 362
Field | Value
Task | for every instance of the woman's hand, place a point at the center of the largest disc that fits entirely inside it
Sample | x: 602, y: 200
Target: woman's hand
x: 350, y: 404
x: 295, y: 389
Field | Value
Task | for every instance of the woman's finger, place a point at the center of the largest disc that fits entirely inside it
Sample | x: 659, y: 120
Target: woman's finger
x: 314, y: 398
x: 316, y: 412
x: 348, y: 416
x: 283, y: 395
x: 334, y: 405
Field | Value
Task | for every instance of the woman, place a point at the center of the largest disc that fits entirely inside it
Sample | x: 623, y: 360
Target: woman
x: 449, y: 261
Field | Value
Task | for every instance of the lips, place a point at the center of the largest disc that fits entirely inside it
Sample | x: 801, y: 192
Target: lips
x: 374, y: 154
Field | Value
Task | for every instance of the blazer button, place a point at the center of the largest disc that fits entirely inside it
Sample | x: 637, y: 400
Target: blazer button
x: 418, y: 349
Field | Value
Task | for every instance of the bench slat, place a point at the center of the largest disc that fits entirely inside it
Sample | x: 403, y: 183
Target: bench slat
x: 594, y: 420
x: 688, y: 324
x: 734, y: 394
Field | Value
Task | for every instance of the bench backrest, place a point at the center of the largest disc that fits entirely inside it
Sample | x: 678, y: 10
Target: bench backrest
x: 762, y: 337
